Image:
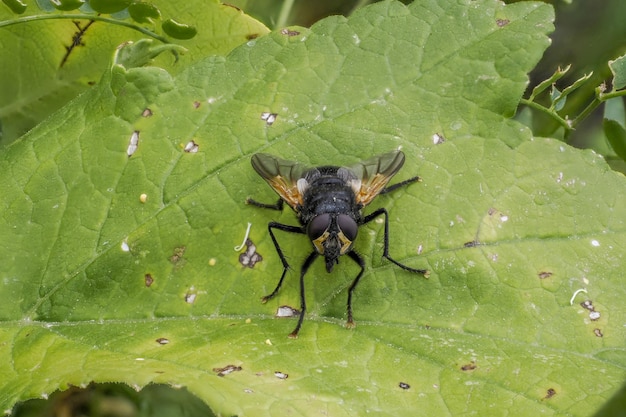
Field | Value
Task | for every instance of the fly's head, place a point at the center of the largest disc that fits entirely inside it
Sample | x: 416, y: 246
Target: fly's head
x: 332, y: 236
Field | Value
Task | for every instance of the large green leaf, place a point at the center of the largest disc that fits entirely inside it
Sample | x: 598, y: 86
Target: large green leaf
x: 119, y: 268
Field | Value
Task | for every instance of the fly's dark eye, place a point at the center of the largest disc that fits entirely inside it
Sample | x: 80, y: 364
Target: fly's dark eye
x: 348, y: 226
x: 318, y: 226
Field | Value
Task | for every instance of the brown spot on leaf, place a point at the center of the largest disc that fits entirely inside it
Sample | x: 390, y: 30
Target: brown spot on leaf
x: 469, y: 366
x: 177, y: 256
x: 228, y: 369
x: 502, y: 22
x: 148, y: 280
x: 289, y: 32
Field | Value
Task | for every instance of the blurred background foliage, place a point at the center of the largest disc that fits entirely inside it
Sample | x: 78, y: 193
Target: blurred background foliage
x: 588, y: 34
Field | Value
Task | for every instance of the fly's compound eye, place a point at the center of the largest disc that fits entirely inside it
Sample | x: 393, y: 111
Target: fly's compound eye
x: 318, y: 226
x: 348, y: 226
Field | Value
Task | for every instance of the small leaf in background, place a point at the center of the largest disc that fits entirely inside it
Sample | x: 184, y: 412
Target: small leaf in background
x: 614, y: 124
x: 618, y: 69
x: 558, y: 100
x: 67, y: 5
x: 573, y: 87
x: 16, y: 6
x: 178, y: 30
x: 143, y: 12
x: 142, y: 52
x: 545, y: 84
x: 109, y: 6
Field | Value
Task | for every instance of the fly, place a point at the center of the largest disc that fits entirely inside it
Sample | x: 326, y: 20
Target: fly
x: 328, y: 201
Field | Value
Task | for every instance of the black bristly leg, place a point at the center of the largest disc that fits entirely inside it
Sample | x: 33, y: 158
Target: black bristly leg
x: 305, y: 267
x: 285, y: 228
x: 356, y: 258
x: 277, y: 206
x: 400, y: 184
x: 371, y: 217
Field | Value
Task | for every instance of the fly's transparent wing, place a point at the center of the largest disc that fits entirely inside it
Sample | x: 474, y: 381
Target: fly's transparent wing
x: 372, y: 175
x: 287, y: 178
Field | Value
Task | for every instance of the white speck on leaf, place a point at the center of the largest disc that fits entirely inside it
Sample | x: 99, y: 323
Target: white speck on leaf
x: 269, y: 118
x: 191, y: 147
x: 133, y: 143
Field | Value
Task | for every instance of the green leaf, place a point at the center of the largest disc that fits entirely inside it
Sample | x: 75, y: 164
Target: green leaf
x: 618, y: 69
x: 143, y: 12
x: 614, y: 124
x: 545, y: 84
x: 138, y: 54
x: 67, y: 5
x: 616, y: 135
x: 557, y: 98
x: 178, y: 30
x: 106, y: 255
x: 109, y: 6
x: 16, y: 6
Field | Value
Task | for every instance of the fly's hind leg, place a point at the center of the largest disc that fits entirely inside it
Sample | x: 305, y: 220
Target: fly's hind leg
x: 372, y: 216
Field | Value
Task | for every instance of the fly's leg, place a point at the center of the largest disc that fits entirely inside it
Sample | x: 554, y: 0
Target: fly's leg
x: 305, y: 267
x: 277, y: 206
x: 400, y: 184
x: 285, y: 228
x: 356, y: 258
x: 383, y: 211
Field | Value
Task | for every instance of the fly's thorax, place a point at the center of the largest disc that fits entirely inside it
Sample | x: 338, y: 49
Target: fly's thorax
x: 328, y: 195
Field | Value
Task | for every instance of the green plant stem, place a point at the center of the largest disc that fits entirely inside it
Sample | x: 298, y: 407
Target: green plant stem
x: 612, y: 94
x: 96, y: 18
x: 553, y: 114
x: 587, y: 111
x: 599, y: 99
x: 285, y: 10
x: 359, y: 4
